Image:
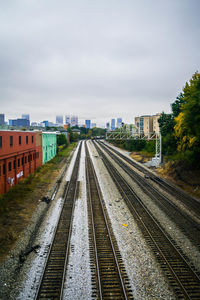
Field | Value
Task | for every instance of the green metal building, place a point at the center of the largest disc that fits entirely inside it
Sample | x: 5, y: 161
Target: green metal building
x: 49, y: 146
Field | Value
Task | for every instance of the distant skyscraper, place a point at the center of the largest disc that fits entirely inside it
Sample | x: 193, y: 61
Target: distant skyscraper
x: 88, y: 124
x: 46, y: 123
x: 112, y: 124
x: 26, y: 116
x: 2, y: 119
x: 67, y: 120
x: 19, y: 122
x: 93, y: 125
x: 107, y: 125
x: 119, y: 122
x: 74, y: 121
x: 59, y: 120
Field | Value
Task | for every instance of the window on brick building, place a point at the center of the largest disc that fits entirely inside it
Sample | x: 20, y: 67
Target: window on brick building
x: 9, y: 166
x: 25, y: 159
x: 11, y: 140
x: 20, y: 140
x: 4, y: 169
x: 31, y: 157
x: 14, y: 164
x: 22, y: 161
x: 28, y: 158
x: 32, y: 138
x: 0, y: 141
x: 18, y: 162
x: 27, y: 139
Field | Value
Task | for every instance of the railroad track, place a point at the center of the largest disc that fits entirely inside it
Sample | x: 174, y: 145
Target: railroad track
x: 188, y: 226
x: 52, y: 280
x: 109, y: 275
x: 190, y: 202
x: 183, y: 279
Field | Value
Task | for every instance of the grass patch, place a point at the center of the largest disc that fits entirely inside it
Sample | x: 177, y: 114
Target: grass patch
x: 17, y: 206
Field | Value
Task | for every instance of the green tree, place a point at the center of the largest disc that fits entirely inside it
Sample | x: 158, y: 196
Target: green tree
x: 61, y: 139
x: 187, y: 123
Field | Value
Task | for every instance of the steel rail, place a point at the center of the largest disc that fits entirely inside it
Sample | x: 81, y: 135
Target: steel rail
x: 187, y: 225
x: 106, y: 290
x: 187, y: 281
x: 52, y: 278
x: 189, y: 201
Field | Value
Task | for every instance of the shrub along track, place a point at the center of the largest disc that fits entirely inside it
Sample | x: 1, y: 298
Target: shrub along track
x: 109, y: 277
x: 184, y: 280
x: 51, y: 285
x: 188, y: 226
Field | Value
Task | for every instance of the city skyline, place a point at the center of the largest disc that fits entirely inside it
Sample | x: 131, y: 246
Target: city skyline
x: 66, y: 119
x: 96, y: 60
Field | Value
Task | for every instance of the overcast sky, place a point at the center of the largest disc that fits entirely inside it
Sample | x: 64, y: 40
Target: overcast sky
x: 96, y: 59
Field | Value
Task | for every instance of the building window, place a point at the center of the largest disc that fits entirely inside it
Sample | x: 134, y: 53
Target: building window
x: 32, y: 138
x: 31, y: 157
x: 9, y: 166
x: 14, y: 164
x: 4, y: 169
x: 20, y: 140
x: 22, y: 161
x: 18, y: 162
x: 28, y: 158
x: 0, y: 141
x: 27, y: 139
x: 11, y: 141
x: 25, y: 159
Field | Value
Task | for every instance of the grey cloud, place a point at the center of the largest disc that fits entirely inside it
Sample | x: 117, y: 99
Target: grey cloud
x: 97, y: 58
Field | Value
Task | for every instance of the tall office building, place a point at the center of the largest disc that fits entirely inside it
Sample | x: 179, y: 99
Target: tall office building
x: 26, y: 116
x: 67, y: 120
x: 2, y: 119
x: 74, y: 121
x: 88, y: 124
x: 119, y: 122
x: 59, y: 120
x: 19, y: 122
x: 46, y: 123
x: 112, y: 124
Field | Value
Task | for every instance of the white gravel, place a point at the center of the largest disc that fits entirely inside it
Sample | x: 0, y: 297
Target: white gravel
x: 146, y: 277
x: 78, y: 277
x: 182, y: 241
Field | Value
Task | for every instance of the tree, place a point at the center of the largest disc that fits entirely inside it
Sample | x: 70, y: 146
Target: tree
x: 187, y: 123
x: 61, y: 139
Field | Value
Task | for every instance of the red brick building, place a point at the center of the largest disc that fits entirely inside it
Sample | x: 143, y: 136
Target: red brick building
x: 20, y: 155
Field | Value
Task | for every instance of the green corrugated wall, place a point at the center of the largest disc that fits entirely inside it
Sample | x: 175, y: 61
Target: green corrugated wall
x: 49, y: 145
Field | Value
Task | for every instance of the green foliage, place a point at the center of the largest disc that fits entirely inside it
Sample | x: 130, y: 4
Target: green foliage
x: 61, y: 139
x: 187, y: 127
x: 85, y: 133
x: 150, y: 146
x: 166, y: 123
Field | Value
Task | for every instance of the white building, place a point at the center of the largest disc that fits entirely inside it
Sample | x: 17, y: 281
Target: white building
x: 74, y: 121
